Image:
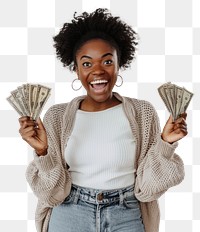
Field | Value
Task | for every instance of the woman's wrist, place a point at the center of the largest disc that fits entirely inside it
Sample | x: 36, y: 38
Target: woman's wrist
x: 41, y: 152
x: 165, y: 140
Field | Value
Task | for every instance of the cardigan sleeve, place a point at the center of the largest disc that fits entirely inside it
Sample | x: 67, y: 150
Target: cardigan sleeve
x: 160, y: 167
x: 47, y: 177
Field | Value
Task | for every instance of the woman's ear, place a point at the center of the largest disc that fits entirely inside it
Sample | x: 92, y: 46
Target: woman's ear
x: 76, y: 70
x: 118, y: 68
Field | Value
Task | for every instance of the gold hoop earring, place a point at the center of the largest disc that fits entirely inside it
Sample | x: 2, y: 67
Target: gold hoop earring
x: 121, y: 83
x: 73, y: 86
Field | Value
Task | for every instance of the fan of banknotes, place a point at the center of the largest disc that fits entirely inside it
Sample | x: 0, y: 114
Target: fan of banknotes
x: 176, y: 98
x: 29, y: 99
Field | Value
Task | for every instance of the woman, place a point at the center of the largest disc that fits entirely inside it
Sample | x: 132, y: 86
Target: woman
x: 100, y: 161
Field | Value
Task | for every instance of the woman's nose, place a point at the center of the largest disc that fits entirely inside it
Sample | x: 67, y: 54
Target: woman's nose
x: 98, y: 69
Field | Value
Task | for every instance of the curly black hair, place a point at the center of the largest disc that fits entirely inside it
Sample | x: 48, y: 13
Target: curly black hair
x: 98, y: 24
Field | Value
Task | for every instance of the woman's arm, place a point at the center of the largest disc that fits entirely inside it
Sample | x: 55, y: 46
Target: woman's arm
x: 160, y: 168
x: 46, y: 175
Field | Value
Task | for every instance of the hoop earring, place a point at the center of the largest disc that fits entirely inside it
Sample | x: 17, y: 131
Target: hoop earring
x: 73, y: 86
x: 121, y: 83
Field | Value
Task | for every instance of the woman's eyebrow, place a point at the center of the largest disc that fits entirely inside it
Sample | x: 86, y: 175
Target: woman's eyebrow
x: 107, y: 54
x: 85, y: 57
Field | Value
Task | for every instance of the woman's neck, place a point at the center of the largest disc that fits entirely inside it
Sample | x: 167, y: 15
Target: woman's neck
x: 90, y: 105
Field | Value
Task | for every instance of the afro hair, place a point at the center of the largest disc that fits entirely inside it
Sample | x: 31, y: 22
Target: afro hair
x: 98, y: 24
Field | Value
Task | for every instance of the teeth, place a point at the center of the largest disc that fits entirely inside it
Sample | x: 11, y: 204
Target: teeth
x: 98, y: 82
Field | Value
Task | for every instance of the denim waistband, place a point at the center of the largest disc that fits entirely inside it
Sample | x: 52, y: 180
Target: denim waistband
x: 98, y: 196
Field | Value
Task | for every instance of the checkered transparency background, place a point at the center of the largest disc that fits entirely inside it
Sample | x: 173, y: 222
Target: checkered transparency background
x: 169, y: 50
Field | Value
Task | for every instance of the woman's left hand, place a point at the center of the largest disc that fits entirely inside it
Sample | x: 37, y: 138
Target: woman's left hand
x: 174, y: 131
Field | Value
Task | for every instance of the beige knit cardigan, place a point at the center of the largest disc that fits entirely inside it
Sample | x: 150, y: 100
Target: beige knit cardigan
x: 158, y: 167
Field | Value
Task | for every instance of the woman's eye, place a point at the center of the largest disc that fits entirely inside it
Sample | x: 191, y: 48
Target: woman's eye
x: 108, y: 62
x: 86, y: 64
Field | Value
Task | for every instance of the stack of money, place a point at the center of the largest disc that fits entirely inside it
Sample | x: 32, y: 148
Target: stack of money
x: 29, y: 99
x: 176, y: 98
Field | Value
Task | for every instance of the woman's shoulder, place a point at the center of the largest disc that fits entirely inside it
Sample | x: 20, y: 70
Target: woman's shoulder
x: 145, y: 112
x: 141, y: 104
x: 57, y: 109
x: 55, y: 114
x: 141, y: 107
x: 58, y: 106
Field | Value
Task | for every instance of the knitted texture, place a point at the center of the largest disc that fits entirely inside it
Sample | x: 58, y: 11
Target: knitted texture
x: 158, y: 167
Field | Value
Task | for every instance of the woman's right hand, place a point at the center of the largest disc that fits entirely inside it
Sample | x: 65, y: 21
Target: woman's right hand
x: 34, y: 133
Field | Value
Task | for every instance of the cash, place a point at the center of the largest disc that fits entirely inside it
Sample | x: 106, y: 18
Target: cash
x: 175, y: 98
x: 29, y: 99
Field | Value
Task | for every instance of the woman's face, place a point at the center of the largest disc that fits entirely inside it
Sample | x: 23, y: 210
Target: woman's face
x: 97, y: 60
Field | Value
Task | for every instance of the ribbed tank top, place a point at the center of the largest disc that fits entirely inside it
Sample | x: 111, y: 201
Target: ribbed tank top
x: 101, y: 149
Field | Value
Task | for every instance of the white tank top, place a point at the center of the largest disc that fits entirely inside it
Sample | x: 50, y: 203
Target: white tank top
x: 101, y: 149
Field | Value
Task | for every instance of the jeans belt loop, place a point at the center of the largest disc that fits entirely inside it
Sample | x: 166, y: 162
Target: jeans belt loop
x: 77, y: 195
x: 121, y: 197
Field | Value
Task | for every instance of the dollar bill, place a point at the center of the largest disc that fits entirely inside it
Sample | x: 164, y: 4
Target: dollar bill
x: 19, y: 99
x: 162, y: 93
x: 168, y: 97
x: 186, y: 98
x: 14, y: 104
x: 33, y: 91
x: 26, y: 95
x: 23, y: 99
x: 175, y: 98
x: 29, y: 99
x: 43, y: 95
x: 179, y: 97
x: 171, y: 89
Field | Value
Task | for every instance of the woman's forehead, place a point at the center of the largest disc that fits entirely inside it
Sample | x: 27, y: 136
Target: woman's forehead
x: 96, y: 46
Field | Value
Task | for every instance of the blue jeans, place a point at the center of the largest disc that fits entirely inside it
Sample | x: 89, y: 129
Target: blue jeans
x: 93, y: 210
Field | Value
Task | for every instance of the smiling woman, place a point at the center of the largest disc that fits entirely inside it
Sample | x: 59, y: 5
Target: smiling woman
x: 100, y: 160
x: 96, y: 46
x: 97, y: 68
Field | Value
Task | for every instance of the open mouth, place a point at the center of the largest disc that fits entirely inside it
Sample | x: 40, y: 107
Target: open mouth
x: 99, y: 86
